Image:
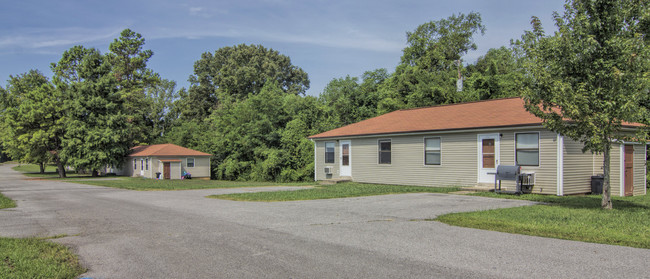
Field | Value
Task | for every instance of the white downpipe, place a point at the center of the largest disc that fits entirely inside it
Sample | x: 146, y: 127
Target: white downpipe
x: 560, y: 165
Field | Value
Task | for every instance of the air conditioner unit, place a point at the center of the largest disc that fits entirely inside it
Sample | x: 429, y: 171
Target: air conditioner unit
x: 328, y: 170
x: 527, y: 178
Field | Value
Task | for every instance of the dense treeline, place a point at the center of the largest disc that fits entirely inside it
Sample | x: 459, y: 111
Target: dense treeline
x: 246, y: 104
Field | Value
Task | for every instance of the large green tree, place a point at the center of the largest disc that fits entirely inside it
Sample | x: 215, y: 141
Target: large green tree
x: 430, y: 63
x: 233, y: 73
x: 591, y: 74
x: 31, y: 120
x: 497, y: 74
x: 96, y: 130
x: 128, y: 62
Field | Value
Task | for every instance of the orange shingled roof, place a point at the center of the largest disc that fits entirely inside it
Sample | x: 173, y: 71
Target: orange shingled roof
x: 166, y: 149
x: 474, y: 115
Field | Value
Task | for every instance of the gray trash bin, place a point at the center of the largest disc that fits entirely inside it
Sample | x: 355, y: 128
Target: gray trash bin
x: 597, y: 184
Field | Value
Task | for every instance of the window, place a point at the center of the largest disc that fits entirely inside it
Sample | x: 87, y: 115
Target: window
x: 329, y: 153
x: 432, y: 151
x: 135, y: 164
x: 527, y: 149
x: 190, y: 162
x: 384, y: 151
x: 141, y: 164
x: 146, y: 164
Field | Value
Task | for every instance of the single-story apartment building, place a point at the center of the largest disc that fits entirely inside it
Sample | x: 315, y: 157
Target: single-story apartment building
x: 462, y: 144
x: 165, y: 161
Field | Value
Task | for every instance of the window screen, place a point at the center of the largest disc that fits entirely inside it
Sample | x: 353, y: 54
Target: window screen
x: 432, y: 151
x: 527, y: 146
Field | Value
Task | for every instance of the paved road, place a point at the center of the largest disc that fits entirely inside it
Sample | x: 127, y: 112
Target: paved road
x: 181, y: 234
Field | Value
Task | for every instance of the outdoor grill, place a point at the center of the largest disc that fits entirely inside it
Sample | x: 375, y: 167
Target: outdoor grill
x: 511, y: 173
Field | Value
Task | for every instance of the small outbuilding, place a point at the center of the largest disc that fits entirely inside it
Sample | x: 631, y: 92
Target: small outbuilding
x: 166, y: 161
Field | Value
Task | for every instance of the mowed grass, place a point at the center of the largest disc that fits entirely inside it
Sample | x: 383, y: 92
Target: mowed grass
x: 571, y: 217
x: 340, y: 190
x: 6, y: 202
x: 36, y: 258
x: 145, y: 184
x: 31, y: 170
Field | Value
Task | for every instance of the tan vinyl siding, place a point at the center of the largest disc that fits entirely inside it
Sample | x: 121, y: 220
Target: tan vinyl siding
x: 639, y: 169
x: 457, y: 168
x: 578, y: 168
x: 615, y: 170
x: 201, y: 167
x: 320, y: 160
x: 546, y: 172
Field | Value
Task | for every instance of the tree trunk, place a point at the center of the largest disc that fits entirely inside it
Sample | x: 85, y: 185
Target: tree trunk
x: 59, y: 166
x: 607, y: 197
x: 94, y: 173
x: 41, y: 165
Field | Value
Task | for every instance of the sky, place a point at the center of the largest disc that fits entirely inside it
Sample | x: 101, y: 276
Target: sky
x: 327, y: 39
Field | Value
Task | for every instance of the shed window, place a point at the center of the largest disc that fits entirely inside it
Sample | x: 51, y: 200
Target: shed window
x: 329, y: 152
x: 527, y: 149
x: 432, y: 151
x: 135, y: 164
x: 384, y: 152
x: 190, y: 162
x: 146, y: 164
x: 141, y: 164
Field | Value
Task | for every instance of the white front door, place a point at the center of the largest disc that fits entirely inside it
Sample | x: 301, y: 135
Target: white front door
x: 345, y: 158
x: 488, y: 157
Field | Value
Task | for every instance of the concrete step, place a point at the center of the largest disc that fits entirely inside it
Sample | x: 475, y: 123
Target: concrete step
x: 335, y: 180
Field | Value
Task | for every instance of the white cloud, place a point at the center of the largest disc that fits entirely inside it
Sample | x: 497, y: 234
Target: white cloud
x: 48, y: 38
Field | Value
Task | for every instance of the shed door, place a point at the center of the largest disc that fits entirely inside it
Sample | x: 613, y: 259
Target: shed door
x: 629, y: 170
x: 488, y: 157
x: 166, y: 170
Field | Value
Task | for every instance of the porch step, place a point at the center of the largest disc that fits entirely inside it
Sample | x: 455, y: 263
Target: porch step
x: 335, y: 180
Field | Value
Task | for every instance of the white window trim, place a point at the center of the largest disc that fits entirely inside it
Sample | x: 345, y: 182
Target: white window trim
x: 391, y: 151
x: 325, y: 154
x: 424, y: 146
x: 539, y: 151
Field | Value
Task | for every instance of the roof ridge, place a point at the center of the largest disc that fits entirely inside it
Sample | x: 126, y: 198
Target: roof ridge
x: 465, y: 103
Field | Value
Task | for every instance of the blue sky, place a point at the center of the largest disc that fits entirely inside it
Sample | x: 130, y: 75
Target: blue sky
x: 327, y: 39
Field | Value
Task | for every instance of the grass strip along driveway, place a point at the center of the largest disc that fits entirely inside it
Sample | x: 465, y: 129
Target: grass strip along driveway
x: 35, y: 257
x: 144, y: 184
x: 570, y: 217
x: 340, y: 190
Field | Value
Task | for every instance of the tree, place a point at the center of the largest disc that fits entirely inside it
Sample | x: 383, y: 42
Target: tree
x: 31, y: 125
x: 161, y: 113
x: 592, y: 74
x: 234, y: 73
x: 129, y: 66
x: 349, y: 101
x: 430, y: 63
x: 96, y: 129
x: 497, y: 74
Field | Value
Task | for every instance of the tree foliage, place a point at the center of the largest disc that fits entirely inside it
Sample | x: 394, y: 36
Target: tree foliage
x: 592, y: 74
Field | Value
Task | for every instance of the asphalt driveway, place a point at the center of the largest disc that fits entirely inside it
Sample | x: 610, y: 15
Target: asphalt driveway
x: 180, y: 234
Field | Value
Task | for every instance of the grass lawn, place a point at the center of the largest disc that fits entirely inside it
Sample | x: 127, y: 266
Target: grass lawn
x: 571, y: 217
x: 32, y: 170
x: 340, y: 190
x: 144, y: 184
x: 6, y: 202
x: 36, y: 258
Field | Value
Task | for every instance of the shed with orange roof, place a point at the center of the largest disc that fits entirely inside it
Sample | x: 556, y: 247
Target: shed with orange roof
x: 166, y: 161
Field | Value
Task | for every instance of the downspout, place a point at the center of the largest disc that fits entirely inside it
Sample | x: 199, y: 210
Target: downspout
x: 315, y: 152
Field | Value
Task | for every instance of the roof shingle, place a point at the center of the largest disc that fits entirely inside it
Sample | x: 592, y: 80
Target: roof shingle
x: 166, y: 149
x: 474, y: 115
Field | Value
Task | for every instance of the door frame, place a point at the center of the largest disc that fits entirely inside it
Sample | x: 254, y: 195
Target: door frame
x: 167, y: 170
x: 345, y: 170
x: 624, y: 187
x: 481, y: 174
